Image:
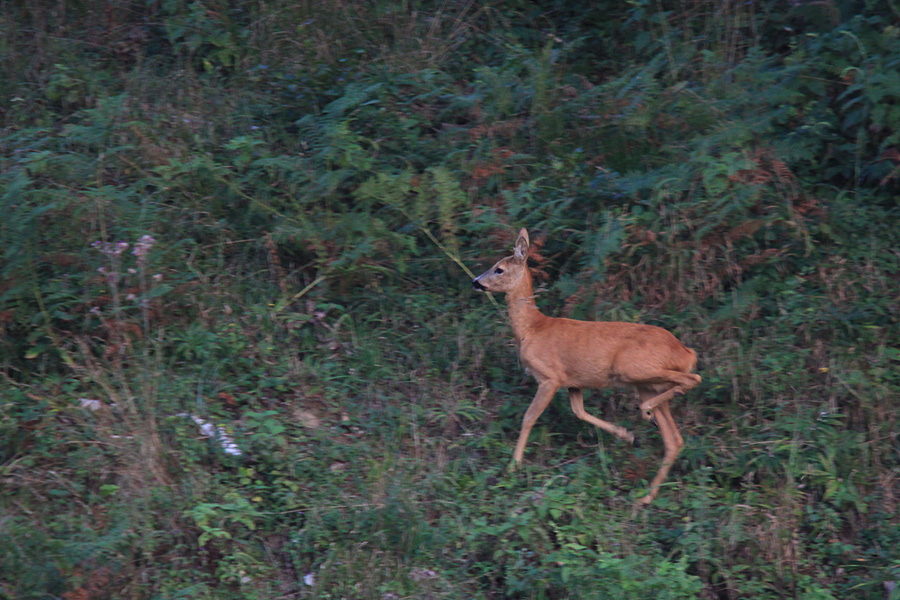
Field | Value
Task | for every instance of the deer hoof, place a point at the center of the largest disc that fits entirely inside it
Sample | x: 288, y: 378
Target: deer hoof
x: 636, y: 442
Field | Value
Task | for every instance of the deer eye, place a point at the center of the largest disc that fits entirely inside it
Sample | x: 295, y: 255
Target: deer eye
x: 498, y: 270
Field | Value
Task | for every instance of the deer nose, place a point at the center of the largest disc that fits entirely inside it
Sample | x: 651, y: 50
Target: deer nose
x: 477, y: 285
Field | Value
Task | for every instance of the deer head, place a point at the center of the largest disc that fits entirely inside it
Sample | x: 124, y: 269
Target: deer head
x: 507, y: 274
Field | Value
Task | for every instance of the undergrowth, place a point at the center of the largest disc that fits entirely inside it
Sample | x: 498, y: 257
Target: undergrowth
x: 240, y: 353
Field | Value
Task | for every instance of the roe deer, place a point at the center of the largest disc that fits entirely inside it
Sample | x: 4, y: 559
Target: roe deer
x: 586, y: 354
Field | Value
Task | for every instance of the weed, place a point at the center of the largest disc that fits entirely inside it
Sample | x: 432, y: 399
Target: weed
x: 302, y: 193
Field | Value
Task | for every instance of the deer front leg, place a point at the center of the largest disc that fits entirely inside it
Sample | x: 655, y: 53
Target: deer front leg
x: 543, y: 397
x: 576, y: 398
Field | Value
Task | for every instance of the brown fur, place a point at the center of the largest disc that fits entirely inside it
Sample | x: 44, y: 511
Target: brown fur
x: 565, y: 353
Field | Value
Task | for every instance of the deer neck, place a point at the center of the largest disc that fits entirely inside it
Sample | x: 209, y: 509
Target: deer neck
x: 523, y: 312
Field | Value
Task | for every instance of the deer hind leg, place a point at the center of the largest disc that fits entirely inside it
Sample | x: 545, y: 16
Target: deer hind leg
x: 682, y: 383
x: 543, y: 397
x: 665, y: 409
x: 577, y: 399
x: 671, y: 440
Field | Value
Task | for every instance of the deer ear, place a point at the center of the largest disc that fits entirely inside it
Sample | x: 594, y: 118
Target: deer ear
x: 521, y: 250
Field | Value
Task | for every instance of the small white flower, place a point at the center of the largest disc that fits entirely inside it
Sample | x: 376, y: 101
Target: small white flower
x: 309, y: 579
x: 90, y: 404
x: 142, y: 247
x: 207, y: 429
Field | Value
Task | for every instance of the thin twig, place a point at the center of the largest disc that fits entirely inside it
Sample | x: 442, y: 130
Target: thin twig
x: 282, y: 305
x: 453, y: 257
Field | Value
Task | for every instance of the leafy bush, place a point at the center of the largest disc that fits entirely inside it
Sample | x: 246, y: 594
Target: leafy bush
x: 240, y: 354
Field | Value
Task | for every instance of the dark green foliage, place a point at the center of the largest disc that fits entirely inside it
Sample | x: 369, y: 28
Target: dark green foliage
x: 319, y: 180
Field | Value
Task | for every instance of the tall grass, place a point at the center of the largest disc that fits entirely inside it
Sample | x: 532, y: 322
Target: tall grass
x: 318, y: 179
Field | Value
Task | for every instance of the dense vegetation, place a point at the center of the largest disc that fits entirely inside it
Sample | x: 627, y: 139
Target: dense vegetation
x: 304, y: 189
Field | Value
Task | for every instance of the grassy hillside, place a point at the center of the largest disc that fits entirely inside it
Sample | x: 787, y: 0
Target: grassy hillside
x: 240, y: 353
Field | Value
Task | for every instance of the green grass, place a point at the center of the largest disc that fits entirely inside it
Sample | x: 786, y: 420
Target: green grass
x: 321, y: 183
